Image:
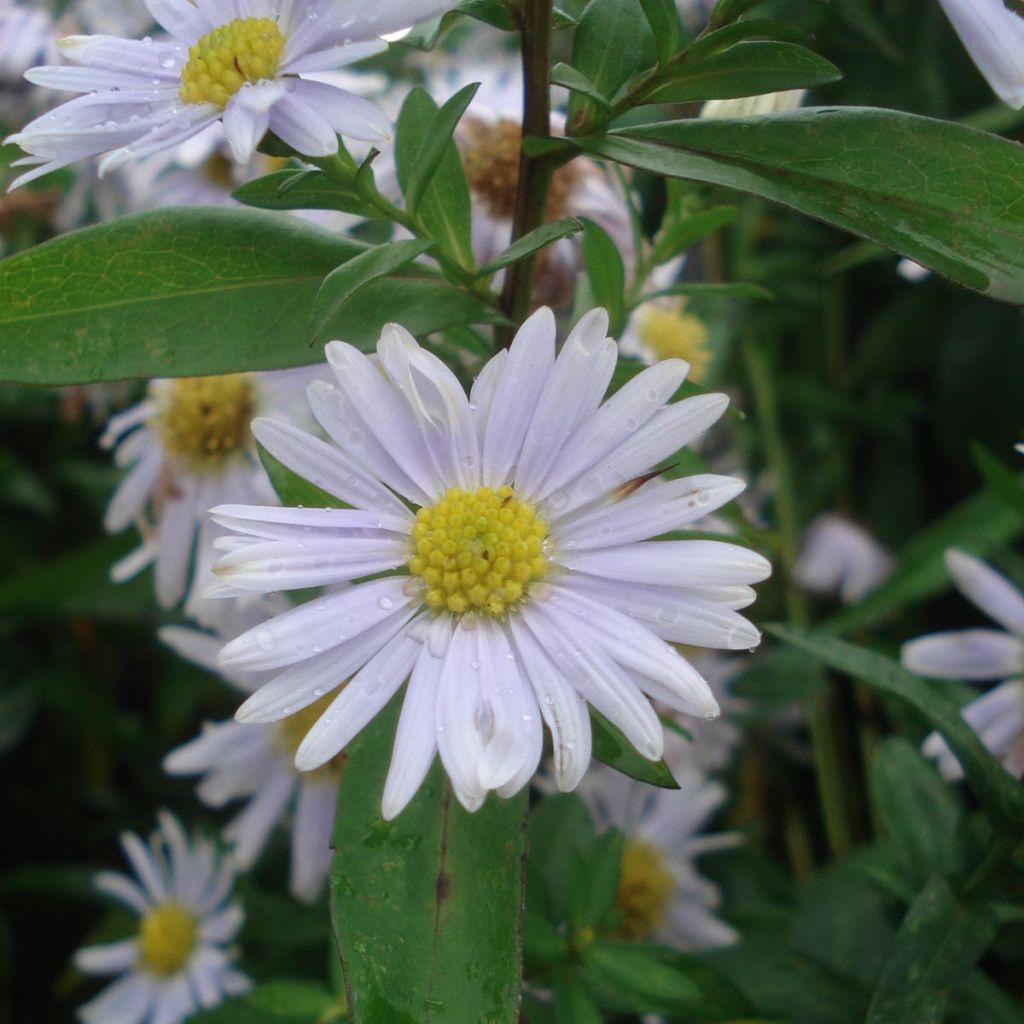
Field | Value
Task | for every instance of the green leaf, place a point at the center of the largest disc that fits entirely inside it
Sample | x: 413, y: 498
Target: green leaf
x: 531, y: 242
x: 678, y: 236
x: 939, y: 941
x: 17, y: 709
x: 594, y: 879
x: 611, y: 44
x: 435, y: 144
x: 560, y: 825
x: 733, y: 290
x: 940, y: 193
x: 491, y: 12
x: 632, y: 978
x: 443, y: 207
x: 918, y: 809
x: 606, y: 272
x: 426, y: 908
x: 569, y: 78
x: 1004, y: 483
x: 746, y: 69
x: 274, y: 1002
x: 78, y: 582
x: 663, y: 17
x: 996, y: 790
x: 573, y: 1004
x: 302, y: 190
x: 181, y: 292
x: 611, y: 747
x: 342, y: 284
x: 980, y: 524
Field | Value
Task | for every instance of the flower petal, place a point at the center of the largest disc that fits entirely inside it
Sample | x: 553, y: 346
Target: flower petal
x: 992, y: 592
x: 964, y: 654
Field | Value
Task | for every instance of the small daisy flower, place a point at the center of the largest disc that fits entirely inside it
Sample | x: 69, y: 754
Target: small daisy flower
x: 662, y: 896
x: 993, y: 36
x: 189, y: 446
x: 507, y: 535
x: 256, y: 763
x: 755, y: 106
x: 663, y: 328
x: 839, y: 557
x: 179, y: 961
x: 243, y: 64
x: 980, y: 654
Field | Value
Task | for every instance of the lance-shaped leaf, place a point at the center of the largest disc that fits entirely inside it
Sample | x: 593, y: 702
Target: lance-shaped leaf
x: 945, y: 195
x: 531, y: 243
x: 179, y: 292
x: 611, y: 747
x: 997, y: 791
x: 302, y: 190
x: 426, y: 908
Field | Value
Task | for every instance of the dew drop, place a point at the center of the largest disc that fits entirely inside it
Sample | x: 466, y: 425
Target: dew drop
x: 265, y: 640
x: 386, y: 603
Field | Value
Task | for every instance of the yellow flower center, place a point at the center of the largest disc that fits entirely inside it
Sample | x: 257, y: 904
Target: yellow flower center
x: 645, y: 890
x: 490, y: 158
x: 166, y: 939
x: 671, y: 333
x: 222, y: 61
x: 203, y: 421
x: 478, y: 551
x: 291, y: 731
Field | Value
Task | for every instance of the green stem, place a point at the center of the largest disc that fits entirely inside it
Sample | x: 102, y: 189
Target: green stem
x: 534, y: 173
x: 342, y: 169
x: 826, y: 751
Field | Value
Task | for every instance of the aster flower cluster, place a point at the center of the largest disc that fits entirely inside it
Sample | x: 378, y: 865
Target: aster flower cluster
x: 453, y: 458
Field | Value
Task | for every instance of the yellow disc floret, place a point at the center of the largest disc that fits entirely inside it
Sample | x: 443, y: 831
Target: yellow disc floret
x: 671, y: 333
x: 166, y: 939
x: 205, y: 420
x: 645, y: 890
x: 291, y: 731
x: 478, y: 551
x: 222, y: 61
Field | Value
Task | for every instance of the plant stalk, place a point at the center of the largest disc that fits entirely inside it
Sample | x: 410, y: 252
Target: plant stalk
x: 534, y: 172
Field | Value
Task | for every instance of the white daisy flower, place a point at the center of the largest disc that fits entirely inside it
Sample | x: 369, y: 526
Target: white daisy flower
x: 189, y: 447
x: 256, y: 763
x: 662, y: 896
x: 508, y: 537
x: 993, y: 36
x: 839, y: 557
x: 980, y: 654
x: 755, y: 106
x: 245, y: 63
x: 180, y: 961
x: 663, y: 328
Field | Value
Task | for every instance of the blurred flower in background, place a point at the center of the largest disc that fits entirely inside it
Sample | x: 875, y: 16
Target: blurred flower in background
x: 838, y: 557
x: 994, y: 37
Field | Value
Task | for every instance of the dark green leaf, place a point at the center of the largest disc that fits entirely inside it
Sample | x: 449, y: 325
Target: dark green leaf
x: 78, y: 583
x: 940, y: 193
x: 17, y: 709
x: 917, y: 808
x: 426, y: 908
x: 342, y: 284
x: 612, y: 43
x: 979, y: 524
x: 678, y: 236
x: 939, y: 941
x: 735, y: 290
x: 746, y: 69
x: 492, y: 12
x: 749, y: 28
x: 606, y: 272
x: 532, y: 242
x: 594, y: 879
x: 181, y: 292
x: 663, y: 17
x: 444, y: 205
x: 631, y: 978
x: 611, y: 747
x: 569, y: 78
x: 274, y: 1002
x: 1004, y: 483
x: 726, y: 11
x: 559, y: 825
x: 996, y: 790
x: 292, y: 489
x: 435, y: 144
x: 301, y: 190
x: 573, y: 1004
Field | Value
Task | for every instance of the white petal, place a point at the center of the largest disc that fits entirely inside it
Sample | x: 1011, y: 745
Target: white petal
x: 993, y: 593
x: 222, y: 926
x: 243, y: 128
x: 415, y: 738
x: 964, y: 654
x: 663, y: 435
x: 124, y: 889
x: 249, y: 831
x: 562, y: 707
x: 315, y: 626
x: 571, y: 395
x: 133, y: 492
x: 177, y: 527
x: 334, y: 57
x: 311, y: 839
x: 113, y: 958
x: 523, y: 374
x: 343, y: 112
x: 180, y: 18
x: 325, y: 466
x: 658, y: 507
x: 146, y: 869
x: 126, y: 1001
x: 994, y: 37
x: 679, y: 563
x: 367, y: 692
